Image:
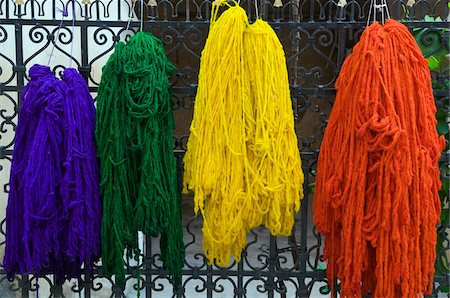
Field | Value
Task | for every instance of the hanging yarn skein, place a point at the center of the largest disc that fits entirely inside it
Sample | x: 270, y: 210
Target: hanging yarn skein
x: 242, y: 159
x: 376, y: 198
x: 135, y: 147
x: 214, y: 164
x: 80, y: 185
x: 33, y: 223
x: 117, y: 190
x: 53, y: 212
x: 272, y: 146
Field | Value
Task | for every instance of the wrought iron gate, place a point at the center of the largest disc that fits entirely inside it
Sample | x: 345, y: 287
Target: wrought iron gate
x: 316, y: 35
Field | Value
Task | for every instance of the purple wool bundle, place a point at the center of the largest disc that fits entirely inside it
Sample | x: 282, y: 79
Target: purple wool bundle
x: 53, y: 213
x: 34, y: 222
x: 80, y: 184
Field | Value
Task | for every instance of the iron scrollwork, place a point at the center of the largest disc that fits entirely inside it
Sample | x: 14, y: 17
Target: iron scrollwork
x: 316, y: 36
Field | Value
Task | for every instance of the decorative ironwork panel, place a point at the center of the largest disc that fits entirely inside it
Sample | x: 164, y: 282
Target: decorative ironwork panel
x: 316, y: 35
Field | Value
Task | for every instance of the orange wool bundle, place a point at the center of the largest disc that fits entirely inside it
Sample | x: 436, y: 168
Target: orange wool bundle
x: 376, y: 196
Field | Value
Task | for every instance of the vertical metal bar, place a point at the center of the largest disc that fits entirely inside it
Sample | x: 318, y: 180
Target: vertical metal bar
x: 311, y: 10
x: 179, y: 167
x: 119, y: 11
x: 399, y: 9
x: 291, y: 9
x: 341, y: 46
x: 296, y: 47
x: 272, y: 261
x: 330, y: 10
x: 294, y: 103
x: 304, y: 219
x: 409, y: 11
x: 32, y: 9
x: 209, y: 282
x: 301, y: 265
x: 148, y: 266
x: 20, y: 71
x: 53, y: 9
x: 19, y: 68
x: 264, y: 12
x: 342, y: 33
x: 85, y: 69
x: 97, y: 7
x: 56, y: 288
x: 25, y: 286
x: 84, y: 66
x: 87, y: 284
x: 86, y: 12
x: 7, y: 9
x: 446, y: 13
x: 352, y: 11
x: 240, y: 277
x: 19, y: 11
x: 188, y: 11
x: 164, y: 11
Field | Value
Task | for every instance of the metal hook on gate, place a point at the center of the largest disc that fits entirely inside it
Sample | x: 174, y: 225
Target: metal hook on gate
x: 378, y: 7
x: 64, y: 14
x: 142, y: 14
x: 133, y: 14
x: 130, y: 16
x: 73, y: 32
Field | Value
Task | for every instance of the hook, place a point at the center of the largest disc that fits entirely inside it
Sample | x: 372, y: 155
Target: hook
x: 64, y: 14
x: 130, y: 16
x: 378, y: 7
x: 73, y: 32
x: 133, y: 14
x: 256, y: 9
x: 142, y: 14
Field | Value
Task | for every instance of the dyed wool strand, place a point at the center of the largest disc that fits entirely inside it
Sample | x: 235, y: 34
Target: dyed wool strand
x: 242, y: 160
x: 272, y: 145
x: 138, y: 171
x: 33, y: 223
x: 80, y: 185
x: 117, y: 190
x: 53, y: 213
x: 376, y: 198
x: 214, y: 164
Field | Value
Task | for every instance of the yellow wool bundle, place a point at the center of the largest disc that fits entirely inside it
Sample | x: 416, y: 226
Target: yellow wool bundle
x: 272, y: 146
x: 242, y: 161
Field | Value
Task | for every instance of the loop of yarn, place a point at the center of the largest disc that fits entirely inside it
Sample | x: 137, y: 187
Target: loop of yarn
x: 135, y: 146
x: 53, y: 212
x: 242, y: 159
x: 376, y: 196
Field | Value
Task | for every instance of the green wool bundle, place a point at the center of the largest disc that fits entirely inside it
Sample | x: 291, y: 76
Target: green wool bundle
x: 135, y: 147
